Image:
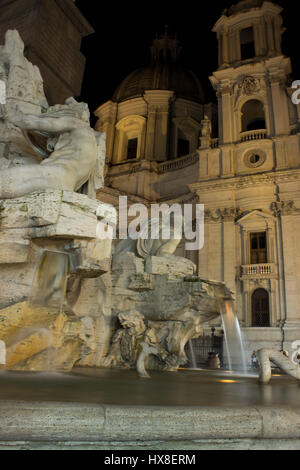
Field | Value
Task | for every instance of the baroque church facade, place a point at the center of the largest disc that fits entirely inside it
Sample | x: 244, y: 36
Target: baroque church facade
x: 239, y: 157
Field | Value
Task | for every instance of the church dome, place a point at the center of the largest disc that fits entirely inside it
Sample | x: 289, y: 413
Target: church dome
x: 164, y: 74
x: 160, y: 77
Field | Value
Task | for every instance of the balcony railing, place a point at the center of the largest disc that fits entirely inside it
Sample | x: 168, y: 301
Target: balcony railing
x: 178, y: 163
x: 254, y: 135
x: 214, y: 143
x: 259, y: 271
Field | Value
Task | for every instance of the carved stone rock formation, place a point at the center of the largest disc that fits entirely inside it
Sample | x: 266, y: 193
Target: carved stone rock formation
x: 63, y: 299
x: 165, y: 305
x: 266, y: 356
x: 54, y: 287
x: 53, y: 281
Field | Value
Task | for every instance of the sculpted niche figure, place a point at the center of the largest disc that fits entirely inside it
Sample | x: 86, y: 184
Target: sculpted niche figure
x: 75, y: 152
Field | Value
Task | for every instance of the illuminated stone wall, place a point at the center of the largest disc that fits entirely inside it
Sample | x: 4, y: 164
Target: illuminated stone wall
x: 52, y: 31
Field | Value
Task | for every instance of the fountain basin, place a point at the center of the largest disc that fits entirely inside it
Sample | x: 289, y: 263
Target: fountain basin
x: 107, y: 408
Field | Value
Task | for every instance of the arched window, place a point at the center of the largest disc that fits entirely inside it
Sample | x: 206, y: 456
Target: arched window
x: 253, y: 116
x: 130, y: 138
x: 260, y: 308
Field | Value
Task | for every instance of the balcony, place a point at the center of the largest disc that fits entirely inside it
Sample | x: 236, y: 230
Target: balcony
x: 259, y: 134
x: 259, y: 271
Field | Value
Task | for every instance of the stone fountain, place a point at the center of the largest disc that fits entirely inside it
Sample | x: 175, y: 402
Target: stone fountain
x: 69, y: 298
x: 64, y: 299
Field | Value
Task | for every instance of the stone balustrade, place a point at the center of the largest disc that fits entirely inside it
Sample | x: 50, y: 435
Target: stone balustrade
x: 214, y: 143
x: 178, y: 163
x: 254, y: 135
x: 260, y: 271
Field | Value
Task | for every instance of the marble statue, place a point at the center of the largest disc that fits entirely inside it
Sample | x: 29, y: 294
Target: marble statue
x: 134, y: 343
x: 73, y: 160
x: 206, y: 127
x: 205, y: 133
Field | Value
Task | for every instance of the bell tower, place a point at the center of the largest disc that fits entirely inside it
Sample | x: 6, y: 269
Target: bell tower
x: 251, y: 81
x: 249, y: 176
x: 249, y: 31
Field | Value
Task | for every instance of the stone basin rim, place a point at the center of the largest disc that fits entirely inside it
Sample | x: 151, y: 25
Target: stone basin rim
x: 44, y: 421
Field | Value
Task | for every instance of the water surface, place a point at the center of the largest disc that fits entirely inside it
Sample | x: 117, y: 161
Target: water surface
x: 183, y: 388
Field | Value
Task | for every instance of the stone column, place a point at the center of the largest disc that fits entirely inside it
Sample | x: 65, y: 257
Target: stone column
x: 227, y: 115
x: 150, y: 133
x: 229, y: 252
x: 281, y: 153
x: 157, y: 133
x: 262, y: 37
x: 203, y: 259
x: 277, y: 29
x: 281, y: 278
x: 220, y: 49
x: 271, y: 42
x: 231, y: 47
x: 237, y: 46
x: 225, y: 41
x: 280, y: 107
x: 162, y: 131
x: 291, y: 259
x: 106, y: 123
x: 215, y: 271
x: 257, y: 39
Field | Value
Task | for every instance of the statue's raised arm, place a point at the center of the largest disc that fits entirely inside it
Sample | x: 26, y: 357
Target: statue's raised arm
x: 56, y: 120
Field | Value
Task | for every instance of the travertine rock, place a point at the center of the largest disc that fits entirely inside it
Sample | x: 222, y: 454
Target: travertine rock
x: 52, y: 261
x: 158, y: 305
x: 174, y: 267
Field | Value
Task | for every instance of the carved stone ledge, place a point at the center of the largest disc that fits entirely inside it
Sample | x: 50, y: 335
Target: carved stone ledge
x: 284, y: 208
x: 224, y: 214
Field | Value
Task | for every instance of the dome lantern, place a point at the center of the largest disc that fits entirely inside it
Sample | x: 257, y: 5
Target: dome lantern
x: 165, y: 48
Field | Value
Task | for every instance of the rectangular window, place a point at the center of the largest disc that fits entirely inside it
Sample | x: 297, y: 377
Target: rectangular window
x: 247, y: 44
x: 132, y: 148
x: 258, y: 247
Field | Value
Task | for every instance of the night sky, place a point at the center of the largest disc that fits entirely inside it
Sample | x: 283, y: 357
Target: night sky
x: 124, y: 33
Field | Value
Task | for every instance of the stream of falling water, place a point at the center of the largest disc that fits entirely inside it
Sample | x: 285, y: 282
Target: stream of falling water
x: 49, y: 290
x: 234, y: 342
x: 49, y: 286
x: 192, y: 353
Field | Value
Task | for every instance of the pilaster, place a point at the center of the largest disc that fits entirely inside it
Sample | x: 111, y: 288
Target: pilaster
x: 158, y: 124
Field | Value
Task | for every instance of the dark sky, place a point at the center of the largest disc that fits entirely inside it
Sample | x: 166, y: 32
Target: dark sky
x: 124, y: 33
